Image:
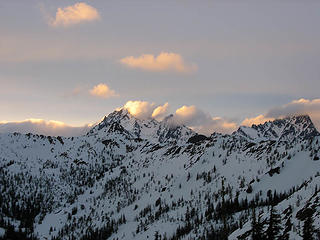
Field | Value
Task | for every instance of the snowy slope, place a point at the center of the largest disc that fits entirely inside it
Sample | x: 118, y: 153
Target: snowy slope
x: 135, y: 179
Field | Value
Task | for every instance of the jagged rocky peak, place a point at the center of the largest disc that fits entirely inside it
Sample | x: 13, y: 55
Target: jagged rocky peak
x: 112, y: 122
x: 121, y: 121
x: 115, y: 116
x: 285, y: 129
x: 301, y: 127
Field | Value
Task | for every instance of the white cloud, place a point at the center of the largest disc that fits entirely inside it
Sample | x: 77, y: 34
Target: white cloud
x: 260, y: 119
x: 202, y: 122
x: 75, y: 14
x: 102, y: 91
x: 216, y: 124
x: 161, y: 111
x: 189, y: 116
x: 140, y: 109
x: 162, y: 63
x: 40, y: 126
x: 300, y: 106
x: 146, y: 110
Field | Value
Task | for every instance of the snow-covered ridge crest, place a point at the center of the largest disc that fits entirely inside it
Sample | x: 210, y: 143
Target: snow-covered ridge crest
x: 168, y: 130
x: 286, y: 129
x: 121, y: 121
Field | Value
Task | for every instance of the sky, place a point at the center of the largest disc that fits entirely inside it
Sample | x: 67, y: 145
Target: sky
x: 214, y: 64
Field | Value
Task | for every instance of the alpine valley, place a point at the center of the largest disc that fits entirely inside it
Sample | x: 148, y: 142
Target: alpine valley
x: 129, y: 178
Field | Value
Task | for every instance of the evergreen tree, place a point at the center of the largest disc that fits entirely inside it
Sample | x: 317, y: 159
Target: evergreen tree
x: 274, y: 228
x: 308, y: 229
x: 156, y: 235
x: 288, y: 227
x: 257, y: 226
x: 286, y: 236
x: 253, y: 223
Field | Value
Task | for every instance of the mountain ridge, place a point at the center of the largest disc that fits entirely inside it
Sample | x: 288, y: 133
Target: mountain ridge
x: 130, y: 179
x: 287, y: 128
x: 300, y: 126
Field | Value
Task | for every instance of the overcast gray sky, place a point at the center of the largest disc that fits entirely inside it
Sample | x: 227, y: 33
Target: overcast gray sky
x: 223, y: 60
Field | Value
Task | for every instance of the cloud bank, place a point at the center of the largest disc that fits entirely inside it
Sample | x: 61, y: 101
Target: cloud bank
x: 190, y: 116
x: 164, y: 62
x: 75, y: 14
x: 40, y: 126
x: 103, y: 91
x: 202, y: 122
x: 146, y: 110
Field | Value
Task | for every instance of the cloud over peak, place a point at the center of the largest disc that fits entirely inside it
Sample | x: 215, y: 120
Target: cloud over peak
x: 203, y: 122
x: 164, y: 62
x: 296, y: 107
x: 190, y: 116
x: 260, y: 119
x: 146, y: 110
x: 74, y: 14
x: 160, y: 112
x: 102, y: 91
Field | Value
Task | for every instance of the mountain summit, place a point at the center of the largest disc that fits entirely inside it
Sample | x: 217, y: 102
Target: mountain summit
x: 287, y: 129
x: 155, y: 131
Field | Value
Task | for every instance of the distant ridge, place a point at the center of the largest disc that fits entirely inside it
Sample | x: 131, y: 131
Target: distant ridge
x: 286, y: 129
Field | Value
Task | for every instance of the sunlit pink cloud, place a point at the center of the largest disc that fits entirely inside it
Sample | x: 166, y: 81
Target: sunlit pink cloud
x: 41, y: 126
x: 102, y: 90
x: 164, y: 62
x: 74, y: 14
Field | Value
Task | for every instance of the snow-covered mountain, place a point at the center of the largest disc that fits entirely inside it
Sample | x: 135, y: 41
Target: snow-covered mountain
x: 287, y: 129
x: 129, y: 178
x: 123, y: 122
